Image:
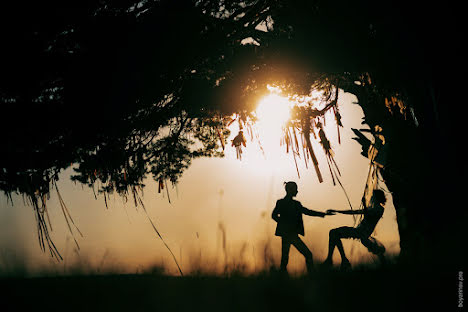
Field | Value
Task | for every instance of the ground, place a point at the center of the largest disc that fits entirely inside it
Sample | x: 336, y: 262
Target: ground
x: 392, y: 289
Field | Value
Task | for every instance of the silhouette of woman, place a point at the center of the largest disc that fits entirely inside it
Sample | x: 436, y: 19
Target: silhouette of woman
x: 362, y: 232
x: 288, y: 214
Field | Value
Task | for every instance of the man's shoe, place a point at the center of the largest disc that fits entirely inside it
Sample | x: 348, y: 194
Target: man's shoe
x: 345, y: 265
x: 327, y: 264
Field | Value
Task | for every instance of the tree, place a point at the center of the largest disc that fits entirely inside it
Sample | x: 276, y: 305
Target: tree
x: 116, y: 86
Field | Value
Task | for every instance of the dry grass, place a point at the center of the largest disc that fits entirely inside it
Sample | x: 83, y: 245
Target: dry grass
x: 364, y: 288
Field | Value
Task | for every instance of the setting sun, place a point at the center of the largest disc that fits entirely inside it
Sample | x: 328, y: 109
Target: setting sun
x: 273, y: 111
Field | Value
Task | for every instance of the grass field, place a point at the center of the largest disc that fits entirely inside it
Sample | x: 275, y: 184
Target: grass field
x: 390, y: 289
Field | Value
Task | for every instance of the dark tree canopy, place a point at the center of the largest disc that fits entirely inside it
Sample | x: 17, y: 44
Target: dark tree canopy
x: 115, y: 87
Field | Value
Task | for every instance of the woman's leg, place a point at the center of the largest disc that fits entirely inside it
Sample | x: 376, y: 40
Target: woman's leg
x: 335, y: 237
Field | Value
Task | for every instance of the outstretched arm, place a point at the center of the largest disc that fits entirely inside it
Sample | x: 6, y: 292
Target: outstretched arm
x: 347, y: 212
x: 314, y: 213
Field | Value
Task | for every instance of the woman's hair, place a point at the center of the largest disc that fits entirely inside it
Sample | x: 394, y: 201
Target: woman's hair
x: 290, y: 187
x: 379, y: 196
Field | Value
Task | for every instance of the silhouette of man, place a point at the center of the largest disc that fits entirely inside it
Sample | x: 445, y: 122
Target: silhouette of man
x: 362, y: 232
x: 288, y: 214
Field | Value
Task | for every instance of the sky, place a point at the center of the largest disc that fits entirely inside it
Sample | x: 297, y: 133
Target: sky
x: 219, y: 214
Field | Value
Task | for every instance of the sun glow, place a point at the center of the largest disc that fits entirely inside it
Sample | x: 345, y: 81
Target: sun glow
x: 273, y: 111
x: 263, y: 153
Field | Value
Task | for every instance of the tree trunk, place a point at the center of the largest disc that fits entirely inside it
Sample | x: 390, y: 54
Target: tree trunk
x: 419, y: 171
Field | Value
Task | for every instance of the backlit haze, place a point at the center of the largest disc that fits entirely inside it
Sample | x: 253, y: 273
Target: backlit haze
x: 219, y: 214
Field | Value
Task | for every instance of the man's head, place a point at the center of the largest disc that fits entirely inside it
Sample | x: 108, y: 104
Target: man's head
x: 291, y: 188
x: 379, y: 197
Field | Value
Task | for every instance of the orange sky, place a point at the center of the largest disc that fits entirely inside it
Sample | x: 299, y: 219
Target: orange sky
x: 238, y: 194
